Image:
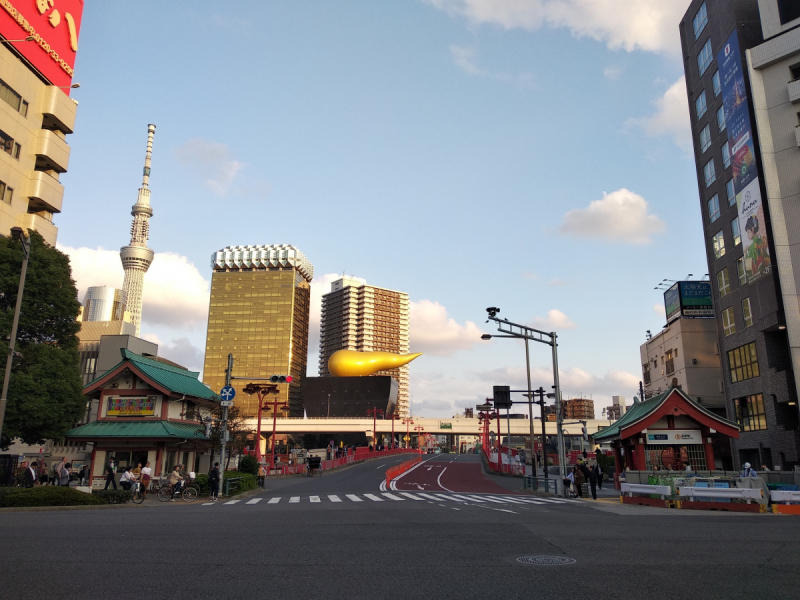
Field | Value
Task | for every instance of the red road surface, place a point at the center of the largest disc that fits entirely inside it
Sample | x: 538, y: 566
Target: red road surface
x: 449, y: 474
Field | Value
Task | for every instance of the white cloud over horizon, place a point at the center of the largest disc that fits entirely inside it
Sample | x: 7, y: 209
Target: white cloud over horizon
x: 554, y: 321
x: 621, y: 216
x: 671, y: 118
x: 646, y: 25
x: 210, y: 161
x: 466, y: 59
x: 433, y: 331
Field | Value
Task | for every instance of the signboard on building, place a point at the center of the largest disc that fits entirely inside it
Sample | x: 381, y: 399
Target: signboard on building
x: 54, y: 26
x: 742, y: 148
x: 674, y: 436
x: 688, y: 299
x: 445, y: 425
x: 131, y: 406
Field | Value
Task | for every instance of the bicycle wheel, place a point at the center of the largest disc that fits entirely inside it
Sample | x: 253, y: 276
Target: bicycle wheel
x: 165, y: 493
x: 189, y: 494
x: 138, y: 497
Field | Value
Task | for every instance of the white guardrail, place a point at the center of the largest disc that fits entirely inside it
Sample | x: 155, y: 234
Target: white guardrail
x: 745, y: 493
x: 784, y: 496
x: 641, y: 488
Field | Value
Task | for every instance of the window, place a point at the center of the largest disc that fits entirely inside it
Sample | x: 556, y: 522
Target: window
x: 728, y: 322
x: 737, y: 239
x: 700, y: 104
x: 7, y: 143
x: 721, y: 118
x: 726, y: 156
x: 723, y: 283
x: 705, y: 138
x: 670, y: 363
x: 716, y: 83
x: 646, y: 373
x: 747, y: 313
x: 718, y: 242
x: 731, y: 193
x: 700, y: 20
x: 788, y: 10
x: 743, y: 363
x: 6, y: 193
x: 750, y: 412
x: 713, y: 209
x: 13, y: 99
x: 709, y: 173
x: 740, y: 272
x: 91, y: 366
x: 704, y: 58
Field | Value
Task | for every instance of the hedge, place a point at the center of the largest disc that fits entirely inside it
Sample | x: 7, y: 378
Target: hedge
x: 113, y: 496
x: 248, y: 464
x: 246, y: 482
x: 49, y: 495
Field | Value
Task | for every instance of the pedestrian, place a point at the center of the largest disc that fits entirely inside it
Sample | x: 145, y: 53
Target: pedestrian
x: 213, y: 479
x: 577, y: 475
x: 62, y: 470
x: 30, y: 475
x: 584, y: 469
x: 137, y: 472
x: 585, y: 455
x: 748, y: 471
x: 147, y: 475
x: 764, y: 468
x: 111, y: 469
x: 593, y: 482
x: 45, y: 476
x: 599, y: 470
x: 125, y: 480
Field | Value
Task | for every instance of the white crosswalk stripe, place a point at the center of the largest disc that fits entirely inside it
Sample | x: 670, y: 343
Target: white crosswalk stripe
x: 400, y: 496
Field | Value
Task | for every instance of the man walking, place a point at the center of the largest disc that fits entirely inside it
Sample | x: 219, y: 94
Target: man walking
x: 213, y: 479
x: 30, y: 475
x: 111, y: 469
x: 598, y: 469
x: 63, y: 472
x: 593, y: 482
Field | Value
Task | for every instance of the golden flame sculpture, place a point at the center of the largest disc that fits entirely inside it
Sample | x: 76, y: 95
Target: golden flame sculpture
x: 351, y: 363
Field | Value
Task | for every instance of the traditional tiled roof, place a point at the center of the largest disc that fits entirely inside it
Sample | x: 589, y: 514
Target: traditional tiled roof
x: 138, y: 429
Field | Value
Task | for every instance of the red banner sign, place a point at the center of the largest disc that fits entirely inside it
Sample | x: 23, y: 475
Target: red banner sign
x: 54, y: 26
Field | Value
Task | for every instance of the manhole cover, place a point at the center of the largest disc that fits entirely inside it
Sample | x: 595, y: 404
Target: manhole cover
x: 546, y: 560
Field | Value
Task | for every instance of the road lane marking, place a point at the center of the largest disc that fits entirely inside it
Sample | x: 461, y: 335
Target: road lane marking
x: 383, y: 465
x: 392, y: 496
x: 334, y: 498
x: 294, y: 499
x: 451, y: 498
x: 314, y: 499
x: 429, y: 496
x: 439, y: 480
x: 486, y: 498
x: 208, y: 503
x: 553, y: 500
x: 506, y: 499
x: 373, y: 497
x: 527, y: 501
x: 253, y: 501
x: 354, y: 498
x: 233, y: 501
x: 466, y: 499
x: 274, y: 500
x: 412, y: 496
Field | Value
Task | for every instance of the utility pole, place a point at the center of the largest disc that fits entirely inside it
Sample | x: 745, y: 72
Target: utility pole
x: 224, y: 425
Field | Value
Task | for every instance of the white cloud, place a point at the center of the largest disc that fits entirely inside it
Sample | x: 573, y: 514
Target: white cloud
x: 621, y: 216
x: 212, y: 162
x: 659, y: 309
x: 649, y: 25
x: 556, y: 282
x: 670, y: 119
x: 555, y: 320
x: 465, y: 60
x: 612, y: 72
x: 175, y: 293
x: 432, y: 331
x: 529, y: 275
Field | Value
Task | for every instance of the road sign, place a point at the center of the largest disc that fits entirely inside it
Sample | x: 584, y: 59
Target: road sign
x: 227, y: 393
x: 226, y: 403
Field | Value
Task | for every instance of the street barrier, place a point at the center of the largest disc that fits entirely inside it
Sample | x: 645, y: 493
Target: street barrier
x: 393, y: 472
x: 641, y: 488
x: 748, y: 494
x: 784, y: 496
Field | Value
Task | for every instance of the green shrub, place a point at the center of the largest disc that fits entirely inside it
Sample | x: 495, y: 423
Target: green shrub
x: 246, y: 482
x: 49, y: 495
x: 248, y: 464
x: 113, y: 496
x: 202, y: 483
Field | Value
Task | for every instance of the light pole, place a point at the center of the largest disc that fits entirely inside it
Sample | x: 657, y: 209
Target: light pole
x: 374, y: 412
x: 261, y: 391
x: 419, y: 429
x: 407, y: 422
x: 18, y: 234
x: 513, y: 330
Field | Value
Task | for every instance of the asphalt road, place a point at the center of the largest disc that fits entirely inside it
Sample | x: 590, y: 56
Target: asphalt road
x: 426, y: 544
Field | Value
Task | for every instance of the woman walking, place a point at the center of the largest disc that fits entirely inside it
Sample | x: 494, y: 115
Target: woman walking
x: 147, y: 474
x: 578, y: 476
x: 213, y: 479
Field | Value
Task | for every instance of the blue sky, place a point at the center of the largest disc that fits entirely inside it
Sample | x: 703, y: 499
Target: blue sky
x: 532, y: 155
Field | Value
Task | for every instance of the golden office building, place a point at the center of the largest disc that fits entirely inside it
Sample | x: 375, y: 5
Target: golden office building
x: 37, y: 57
x: 260, y: 298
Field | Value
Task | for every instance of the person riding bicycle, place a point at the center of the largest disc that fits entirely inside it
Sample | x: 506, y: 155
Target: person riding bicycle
x: 176, y: 481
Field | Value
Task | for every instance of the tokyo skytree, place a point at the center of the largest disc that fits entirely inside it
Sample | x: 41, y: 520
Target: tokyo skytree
x: 136, y: 257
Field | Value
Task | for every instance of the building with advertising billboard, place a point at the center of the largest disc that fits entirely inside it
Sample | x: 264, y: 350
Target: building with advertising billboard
x: 689, y: 299
x: 739, y: 56
x: 38, y: 46
x: 259, y: 311
x: 357, y: 316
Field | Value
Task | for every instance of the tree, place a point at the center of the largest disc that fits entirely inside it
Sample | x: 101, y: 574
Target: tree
x: 248, y: 464
x: 45, y: 396
x: 238, y: 431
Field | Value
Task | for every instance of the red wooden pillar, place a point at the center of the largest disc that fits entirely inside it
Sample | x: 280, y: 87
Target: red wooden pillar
x: 617, y: 458
x: 709, y: 454
x: 640, y: 462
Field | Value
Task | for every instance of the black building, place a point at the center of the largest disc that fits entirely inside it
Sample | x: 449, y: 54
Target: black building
x: 349, y: 396
x: 758, y: 376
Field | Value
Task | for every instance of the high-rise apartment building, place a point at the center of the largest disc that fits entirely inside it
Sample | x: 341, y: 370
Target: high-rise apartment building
x: 102, y: 303
x: 357, y: 316
x: 136, y: 257
x: 742, y: 64
x: 259, y: 311
x: 37, y: 57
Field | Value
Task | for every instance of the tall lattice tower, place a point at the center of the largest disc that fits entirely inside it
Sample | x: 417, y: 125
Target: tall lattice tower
x: 136, y: 257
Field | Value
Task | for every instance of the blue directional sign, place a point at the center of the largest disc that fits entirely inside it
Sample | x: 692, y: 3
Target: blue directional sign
x: 227, y: 393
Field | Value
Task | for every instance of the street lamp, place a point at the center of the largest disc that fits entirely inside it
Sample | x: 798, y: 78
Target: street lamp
x: 513, y: 330
x: 18, y: 234
x: 407, y: 422
x: 374, y: 412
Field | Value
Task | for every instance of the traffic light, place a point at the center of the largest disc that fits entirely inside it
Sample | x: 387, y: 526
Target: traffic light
x: 502, y: 396
x: 281, y: 379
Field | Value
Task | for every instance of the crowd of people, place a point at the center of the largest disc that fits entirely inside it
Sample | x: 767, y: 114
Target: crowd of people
x: 60, y: 473
x: 581, y: 473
